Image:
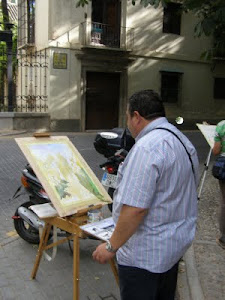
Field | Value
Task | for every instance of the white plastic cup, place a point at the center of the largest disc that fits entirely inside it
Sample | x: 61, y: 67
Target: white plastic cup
x: 94, y: 216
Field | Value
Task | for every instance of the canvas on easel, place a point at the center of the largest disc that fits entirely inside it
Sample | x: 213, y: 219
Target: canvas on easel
x: 66, y: 177
x: 208, y: 132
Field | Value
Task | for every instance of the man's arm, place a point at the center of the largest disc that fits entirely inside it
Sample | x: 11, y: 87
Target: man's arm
x: 129, y: 220
x: 216, y: 148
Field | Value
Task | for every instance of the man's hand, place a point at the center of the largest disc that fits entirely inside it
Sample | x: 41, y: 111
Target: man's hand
x: 128, y: 222
x: 129, y: 219
x: 101, y: 255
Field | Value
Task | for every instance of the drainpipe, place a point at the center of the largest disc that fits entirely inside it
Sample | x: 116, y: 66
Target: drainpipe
x: 6, y: 36
x: 10, y: 73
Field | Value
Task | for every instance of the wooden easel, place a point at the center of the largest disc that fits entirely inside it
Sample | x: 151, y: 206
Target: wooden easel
x: 72, y: 225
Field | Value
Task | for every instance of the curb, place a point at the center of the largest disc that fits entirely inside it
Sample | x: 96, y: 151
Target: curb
x: 70, y: 134
x: 12, y: 133
x: 189, y: 286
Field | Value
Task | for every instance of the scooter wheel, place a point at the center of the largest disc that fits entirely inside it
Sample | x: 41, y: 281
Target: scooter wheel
x: 25, y: 230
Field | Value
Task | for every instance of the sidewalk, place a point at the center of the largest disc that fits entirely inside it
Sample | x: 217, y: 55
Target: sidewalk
x: 54, y: 279
x: 201, y: 274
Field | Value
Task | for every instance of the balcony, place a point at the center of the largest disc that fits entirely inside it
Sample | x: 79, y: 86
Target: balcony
x: 102, y: 35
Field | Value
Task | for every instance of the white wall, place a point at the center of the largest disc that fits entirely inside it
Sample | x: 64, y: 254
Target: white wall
x: 64, y: 91
x: 196, y: 97
x: 65, y: 19
x: 150, y: 40
x: 41, y: 24
x: 155, y: 51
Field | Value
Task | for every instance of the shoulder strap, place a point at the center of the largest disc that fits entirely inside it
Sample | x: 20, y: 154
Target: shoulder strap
x: 189, y: 155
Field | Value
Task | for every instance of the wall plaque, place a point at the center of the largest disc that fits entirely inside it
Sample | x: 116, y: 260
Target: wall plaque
x: 59, y: 60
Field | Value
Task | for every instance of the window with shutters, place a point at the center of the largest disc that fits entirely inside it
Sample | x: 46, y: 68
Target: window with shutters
x: 170, y: 86
x: 172, y: 18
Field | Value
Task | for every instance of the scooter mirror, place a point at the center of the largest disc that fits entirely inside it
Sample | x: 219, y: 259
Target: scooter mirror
x: 109, y: 135
x: 179, y: 120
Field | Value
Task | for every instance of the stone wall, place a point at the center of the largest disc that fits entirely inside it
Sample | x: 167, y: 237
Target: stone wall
x: 24, y: 121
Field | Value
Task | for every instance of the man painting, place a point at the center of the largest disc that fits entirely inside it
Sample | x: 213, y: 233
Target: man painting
x: 155, y: 203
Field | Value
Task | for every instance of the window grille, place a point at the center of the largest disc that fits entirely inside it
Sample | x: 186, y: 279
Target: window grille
x: 170, y: 86
x: 29, y: 88
x: 26, y: 22
x: 32, y: 94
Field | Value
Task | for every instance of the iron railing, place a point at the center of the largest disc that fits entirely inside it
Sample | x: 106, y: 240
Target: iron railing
x: 96, y: 35
x: 30, y: 92
x: 104, y: 35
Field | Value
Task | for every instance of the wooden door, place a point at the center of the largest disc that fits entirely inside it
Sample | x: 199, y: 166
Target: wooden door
x: 102, y: 100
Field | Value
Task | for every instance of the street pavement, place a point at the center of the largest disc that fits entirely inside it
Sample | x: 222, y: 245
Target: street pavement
x: 201, y: 272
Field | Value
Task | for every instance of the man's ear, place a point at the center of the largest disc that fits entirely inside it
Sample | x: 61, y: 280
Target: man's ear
x: 137, y: 116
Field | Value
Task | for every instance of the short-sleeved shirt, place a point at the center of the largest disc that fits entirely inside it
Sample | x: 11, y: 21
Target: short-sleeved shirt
x: 220, y: 135
x: 157, y: 175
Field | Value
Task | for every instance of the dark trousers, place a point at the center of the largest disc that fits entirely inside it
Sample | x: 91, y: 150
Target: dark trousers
x: 222, y: 210
x: 140, y: 284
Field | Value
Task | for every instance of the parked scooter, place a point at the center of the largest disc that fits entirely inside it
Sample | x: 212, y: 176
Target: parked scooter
x: 26, y: 222
x: 114, y: 145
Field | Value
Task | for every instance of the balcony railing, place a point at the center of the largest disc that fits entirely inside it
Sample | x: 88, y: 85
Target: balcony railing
x: 96, y: 35
x: 104, y: 35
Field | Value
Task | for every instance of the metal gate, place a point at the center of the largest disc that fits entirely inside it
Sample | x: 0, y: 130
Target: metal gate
x: 30, y: 71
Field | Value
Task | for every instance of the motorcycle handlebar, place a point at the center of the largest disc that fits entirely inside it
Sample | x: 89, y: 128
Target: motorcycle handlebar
x: 117, y: 158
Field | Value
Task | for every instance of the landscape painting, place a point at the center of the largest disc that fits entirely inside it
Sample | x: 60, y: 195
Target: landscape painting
x: 66, y: 177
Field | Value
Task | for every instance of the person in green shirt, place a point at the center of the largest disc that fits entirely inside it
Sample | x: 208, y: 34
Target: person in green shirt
x: 219, y: 149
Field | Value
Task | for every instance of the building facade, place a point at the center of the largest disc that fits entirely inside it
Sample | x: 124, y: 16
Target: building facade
x: 85, y: 63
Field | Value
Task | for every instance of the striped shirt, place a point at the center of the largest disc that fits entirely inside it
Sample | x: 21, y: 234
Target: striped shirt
x: 157, y: 175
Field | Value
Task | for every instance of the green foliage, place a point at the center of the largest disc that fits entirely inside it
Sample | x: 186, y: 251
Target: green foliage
x: 82, y: 3
x: 3, y: 54
x: 14, y: 39
x: 211, y: 21
x: 211, y: 16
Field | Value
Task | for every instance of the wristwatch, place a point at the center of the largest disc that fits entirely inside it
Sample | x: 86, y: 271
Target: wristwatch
x: 109, y: 247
